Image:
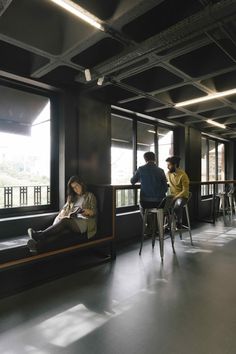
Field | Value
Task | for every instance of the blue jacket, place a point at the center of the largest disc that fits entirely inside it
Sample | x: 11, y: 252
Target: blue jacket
x: 153, y: 182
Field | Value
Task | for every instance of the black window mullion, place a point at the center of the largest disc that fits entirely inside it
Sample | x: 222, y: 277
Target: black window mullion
x: 156, y: 144
x: 134, y: 138
x: 207, y: 164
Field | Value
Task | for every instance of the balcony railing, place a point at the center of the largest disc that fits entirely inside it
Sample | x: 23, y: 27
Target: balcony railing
x: 22, y: 196
x: 127, y: 196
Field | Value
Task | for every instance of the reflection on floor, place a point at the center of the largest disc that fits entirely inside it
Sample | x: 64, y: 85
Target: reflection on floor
x: 136, y: 305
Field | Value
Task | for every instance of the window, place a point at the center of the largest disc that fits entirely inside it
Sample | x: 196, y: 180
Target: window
x: 165, y: 146
x: 130, y: 139
x: 204, y: 160
x: 221, y: 162
x: 213, y: 160
x: 25, y: 156
x: 145, y: 141
x: 121, y: 150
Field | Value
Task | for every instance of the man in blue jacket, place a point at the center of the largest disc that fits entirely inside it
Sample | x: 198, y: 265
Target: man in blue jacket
x: 153, y: 182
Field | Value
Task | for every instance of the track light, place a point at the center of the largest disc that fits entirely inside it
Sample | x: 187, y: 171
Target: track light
x: 100, y: 81
x: 78, y: 11
x: 216, y: 124
x: 206, y: 98
x: 87, y: 74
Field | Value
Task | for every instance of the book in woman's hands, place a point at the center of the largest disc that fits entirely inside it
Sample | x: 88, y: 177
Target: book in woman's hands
x: 79, y: 210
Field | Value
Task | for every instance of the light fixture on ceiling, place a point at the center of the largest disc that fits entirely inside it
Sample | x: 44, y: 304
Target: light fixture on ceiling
x: 87, y: 74
x: 216, y: 124
x: 151, y: 131
x: 206, y: 98
x: 78, y: 11
x: 100, y: 81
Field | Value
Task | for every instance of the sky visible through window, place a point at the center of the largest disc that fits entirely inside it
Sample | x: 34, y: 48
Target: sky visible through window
x: 25, y: 159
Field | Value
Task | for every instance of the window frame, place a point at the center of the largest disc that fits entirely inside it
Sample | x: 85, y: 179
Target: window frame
x: 54, y: 153
x: 217, y: 143
x: 135, y: 121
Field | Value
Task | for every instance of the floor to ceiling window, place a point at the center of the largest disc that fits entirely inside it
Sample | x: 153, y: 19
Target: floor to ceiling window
x: 213, y: 160
x: 130, y: 139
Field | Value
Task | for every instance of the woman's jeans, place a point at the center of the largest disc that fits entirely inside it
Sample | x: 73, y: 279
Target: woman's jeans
x: 58, y: 231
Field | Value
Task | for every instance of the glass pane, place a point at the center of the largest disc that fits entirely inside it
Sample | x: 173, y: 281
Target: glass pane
x: 24, y: 148
x: 204, y: 160
x: 145, y: 141
x: 221, y: 161
x: 121, y: 150
x: 165, y: 146
x: 212, y: 160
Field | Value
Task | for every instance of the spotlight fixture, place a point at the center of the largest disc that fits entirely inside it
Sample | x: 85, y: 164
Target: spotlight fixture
x: 206, y: 98
x: 87, y: 74
x: 100, y: 81
x: 216, y: 124
x: 78, y: 11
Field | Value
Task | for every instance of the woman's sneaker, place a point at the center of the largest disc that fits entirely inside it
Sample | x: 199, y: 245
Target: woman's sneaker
x: 33, y: 234
x: 32, y: 245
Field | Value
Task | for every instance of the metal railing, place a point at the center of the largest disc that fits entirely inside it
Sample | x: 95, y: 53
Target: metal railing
x: 22, y: 196
x: 127, y: 196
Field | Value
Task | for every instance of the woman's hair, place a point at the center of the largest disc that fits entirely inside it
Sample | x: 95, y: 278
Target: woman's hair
x: 71, y: 195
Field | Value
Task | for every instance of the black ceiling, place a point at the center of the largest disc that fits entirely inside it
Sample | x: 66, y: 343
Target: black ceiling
x: 153, y: 54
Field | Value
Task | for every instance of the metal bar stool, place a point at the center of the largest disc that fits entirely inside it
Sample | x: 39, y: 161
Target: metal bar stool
x: 159, y: 215
x: 188, y: 226
x: 227, y: 205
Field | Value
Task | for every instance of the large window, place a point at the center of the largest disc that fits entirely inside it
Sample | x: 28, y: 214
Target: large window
x: 130, y: 139
x: 25, y: 141
x: 213, y: 160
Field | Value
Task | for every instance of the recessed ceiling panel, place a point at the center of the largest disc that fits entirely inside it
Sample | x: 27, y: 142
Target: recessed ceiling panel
x: 159, y: 18
x: 99, y: 52
x: 112, y: 94
x: 205, y: 60
x: 222, y: 82
x: 141, y: 105
x: 219, y: 112
x: 61, y: 75
x: 44, y: 25
x: 19, y: 61
x: 166, y: 113
x: 152, y: 79
x: 180, y: 94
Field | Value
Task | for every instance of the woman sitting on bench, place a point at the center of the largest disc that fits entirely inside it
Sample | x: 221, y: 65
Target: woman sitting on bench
x: 78, y: 216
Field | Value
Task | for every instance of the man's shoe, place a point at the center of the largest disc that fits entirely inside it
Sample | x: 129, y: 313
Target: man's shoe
x: 178, y: 226
x: 32, y: 245
x: 33, y: 234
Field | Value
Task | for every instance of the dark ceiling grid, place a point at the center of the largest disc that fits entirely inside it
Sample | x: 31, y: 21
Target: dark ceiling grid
x: 187, y: 28
x: 202, y: 87
x: 158, y: 50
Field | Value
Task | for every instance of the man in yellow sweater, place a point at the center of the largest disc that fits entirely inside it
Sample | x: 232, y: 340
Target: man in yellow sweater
x: 179, y: 187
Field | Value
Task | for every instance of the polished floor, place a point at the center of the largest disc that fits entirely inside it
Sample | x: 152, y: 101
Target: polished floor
x: 135, y: 305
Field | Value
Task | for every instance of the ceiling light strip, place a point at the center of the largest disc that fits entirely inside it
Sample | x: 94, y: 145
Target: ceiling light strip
x: 78, y: 11
x: 212, y: 122
x: 206, y: 98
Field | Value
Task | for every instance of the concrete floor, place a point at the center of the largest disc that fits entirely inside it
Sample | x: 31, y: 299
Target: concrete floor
x: 135, y: 305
